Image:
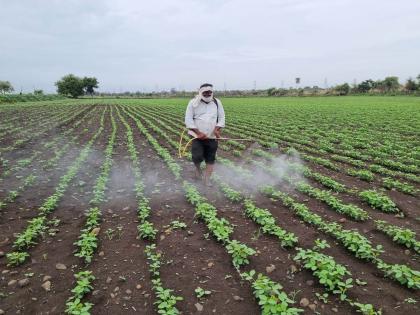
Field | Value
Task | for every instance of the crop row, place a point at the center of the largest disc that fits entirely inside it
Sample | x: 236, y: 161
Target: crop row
x: 329, y: 273
x: 88, y: 241
x: 267, y: 222
x: 30, y: 179
x: 221, y: 229
x: 352, y: 240
x: 267, y: 142
x: 382, y: 202
x: 38, y: 225
x: 62, y: 119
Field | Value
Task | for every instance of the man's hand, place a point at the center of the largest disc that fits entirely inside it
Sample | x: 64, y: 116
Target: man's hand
x: 201, y: 135
x: 198, y: 134
x: 217, y: 131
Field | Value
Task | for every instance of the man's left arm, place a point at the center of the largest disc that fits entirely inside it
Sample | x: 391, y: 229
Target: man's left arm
x: 221, y: 120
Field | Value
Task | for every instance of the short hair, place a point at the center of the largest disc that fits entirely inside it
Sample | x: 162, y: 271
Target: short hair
x: 205, y: 84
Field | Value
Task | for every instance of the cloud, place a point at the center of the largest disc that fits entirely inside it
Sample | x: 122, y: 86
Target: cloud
x: 136, y: 45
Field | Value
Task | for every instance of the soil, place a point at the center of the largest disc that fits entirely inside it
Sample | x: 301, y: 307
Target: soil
x: 192, y: 257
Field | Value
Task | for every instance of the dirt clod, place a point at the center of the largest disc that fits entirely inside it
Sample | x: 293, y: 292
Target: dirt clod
x: 11, y: 282
x: 60, y: 266
x: 270, y: 269
x: 23, y: 282
x: 304, y: 302
x: 199, y: 307
x: 95, y: 231
x: 46, y: 286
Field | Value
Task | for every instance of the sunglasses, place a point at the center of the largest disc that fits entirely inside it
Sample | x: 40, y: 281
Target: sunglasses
x: 207, y: 92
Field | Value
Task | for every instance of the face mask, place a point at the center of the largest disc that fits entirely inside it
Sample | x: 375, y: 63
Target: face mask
x: 207, y: 99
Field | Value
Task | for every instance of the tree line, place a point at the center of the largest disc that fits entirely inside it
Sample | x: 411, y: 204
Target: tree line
x: 74, y: 86
x: 69, y: 86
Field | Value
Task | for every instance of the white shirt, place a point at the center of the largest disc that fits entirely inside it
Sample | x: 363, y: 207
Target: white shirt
x: 203, y: 116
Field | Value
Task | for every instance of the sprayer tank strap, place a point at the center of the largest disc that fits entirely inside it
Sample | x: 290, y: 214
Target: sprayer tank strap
x: 217, y: 106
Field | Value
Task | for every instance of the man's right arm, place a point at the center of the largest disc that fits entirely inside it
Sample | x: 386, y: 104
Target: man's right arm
x: 189, y: 122
x: 189, y: 117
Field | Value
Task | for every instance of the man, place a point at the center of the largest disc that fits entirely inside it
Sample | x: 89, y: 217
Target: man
x: 204, y: 118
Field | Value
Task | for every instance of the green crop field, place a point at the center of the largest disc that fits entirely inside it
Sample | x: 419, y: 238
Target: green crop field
x: 316, y: 213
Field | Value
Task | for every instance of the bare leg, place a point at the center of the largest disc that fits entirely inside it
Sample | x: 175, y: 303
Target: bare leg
x: 207, y: 173
x: 198, y: 172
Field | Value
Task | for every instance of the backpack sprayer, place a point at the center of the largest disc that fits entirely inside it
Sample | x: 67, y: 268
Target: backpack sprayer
x: 182, y: 148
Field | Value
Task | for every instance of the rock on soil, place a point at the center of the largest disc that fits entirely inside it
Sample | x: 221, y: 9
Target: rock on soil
x: 60, y: 266
x: 95, y: 231
x: 199, y: 307
x: 304, y: 302
x: 270, y: 269
x: 23, y: 282
x: 46, y: 286
x: 11, y: 282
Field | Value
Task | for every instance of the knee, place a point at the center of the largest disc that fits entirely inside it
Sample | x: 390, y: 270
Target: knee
x: 197, y: 158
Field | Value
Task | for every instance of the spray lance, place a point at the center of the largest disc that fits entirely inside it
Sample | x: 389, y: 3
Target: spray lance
x: 182, y: 148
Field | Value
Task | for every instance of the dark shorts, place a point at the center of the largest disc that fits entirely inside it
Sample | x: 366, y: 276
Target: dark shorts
x: 204, y: 150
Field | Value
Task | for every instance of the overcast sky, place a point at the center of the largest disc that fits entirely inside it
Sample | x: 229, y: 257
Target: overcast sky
x: 145, y: 45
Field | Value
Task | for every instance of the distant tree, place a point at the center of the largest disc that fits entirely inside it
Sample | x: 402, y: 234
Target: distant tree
x: 411, y: 85
x: 73, y: 86
x: 271, y: 91
x: 6, y: 87
x: 391, y: 84
x: 343, y: 89
x: 90, y: 84
x: 282, y: 92
x: 70, y: 85
x: 366, y: 86
x: 38, y: 92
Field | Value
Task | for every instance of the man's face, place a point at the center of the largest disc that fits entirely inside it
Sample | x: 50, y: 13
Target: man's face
x: 207, y: 93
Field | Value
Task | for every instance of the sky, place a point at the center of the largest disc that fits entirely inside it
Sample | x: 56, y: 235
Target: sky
x: 234, y: 44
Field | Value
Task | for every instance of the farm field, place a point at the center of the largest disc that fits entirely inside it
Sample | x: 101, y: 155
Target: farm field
x: 319, y: 213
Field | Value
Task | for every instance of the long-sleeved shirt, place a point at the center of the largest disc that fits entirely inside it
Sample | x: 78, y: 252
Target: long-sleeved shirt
x: 205, y: 117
